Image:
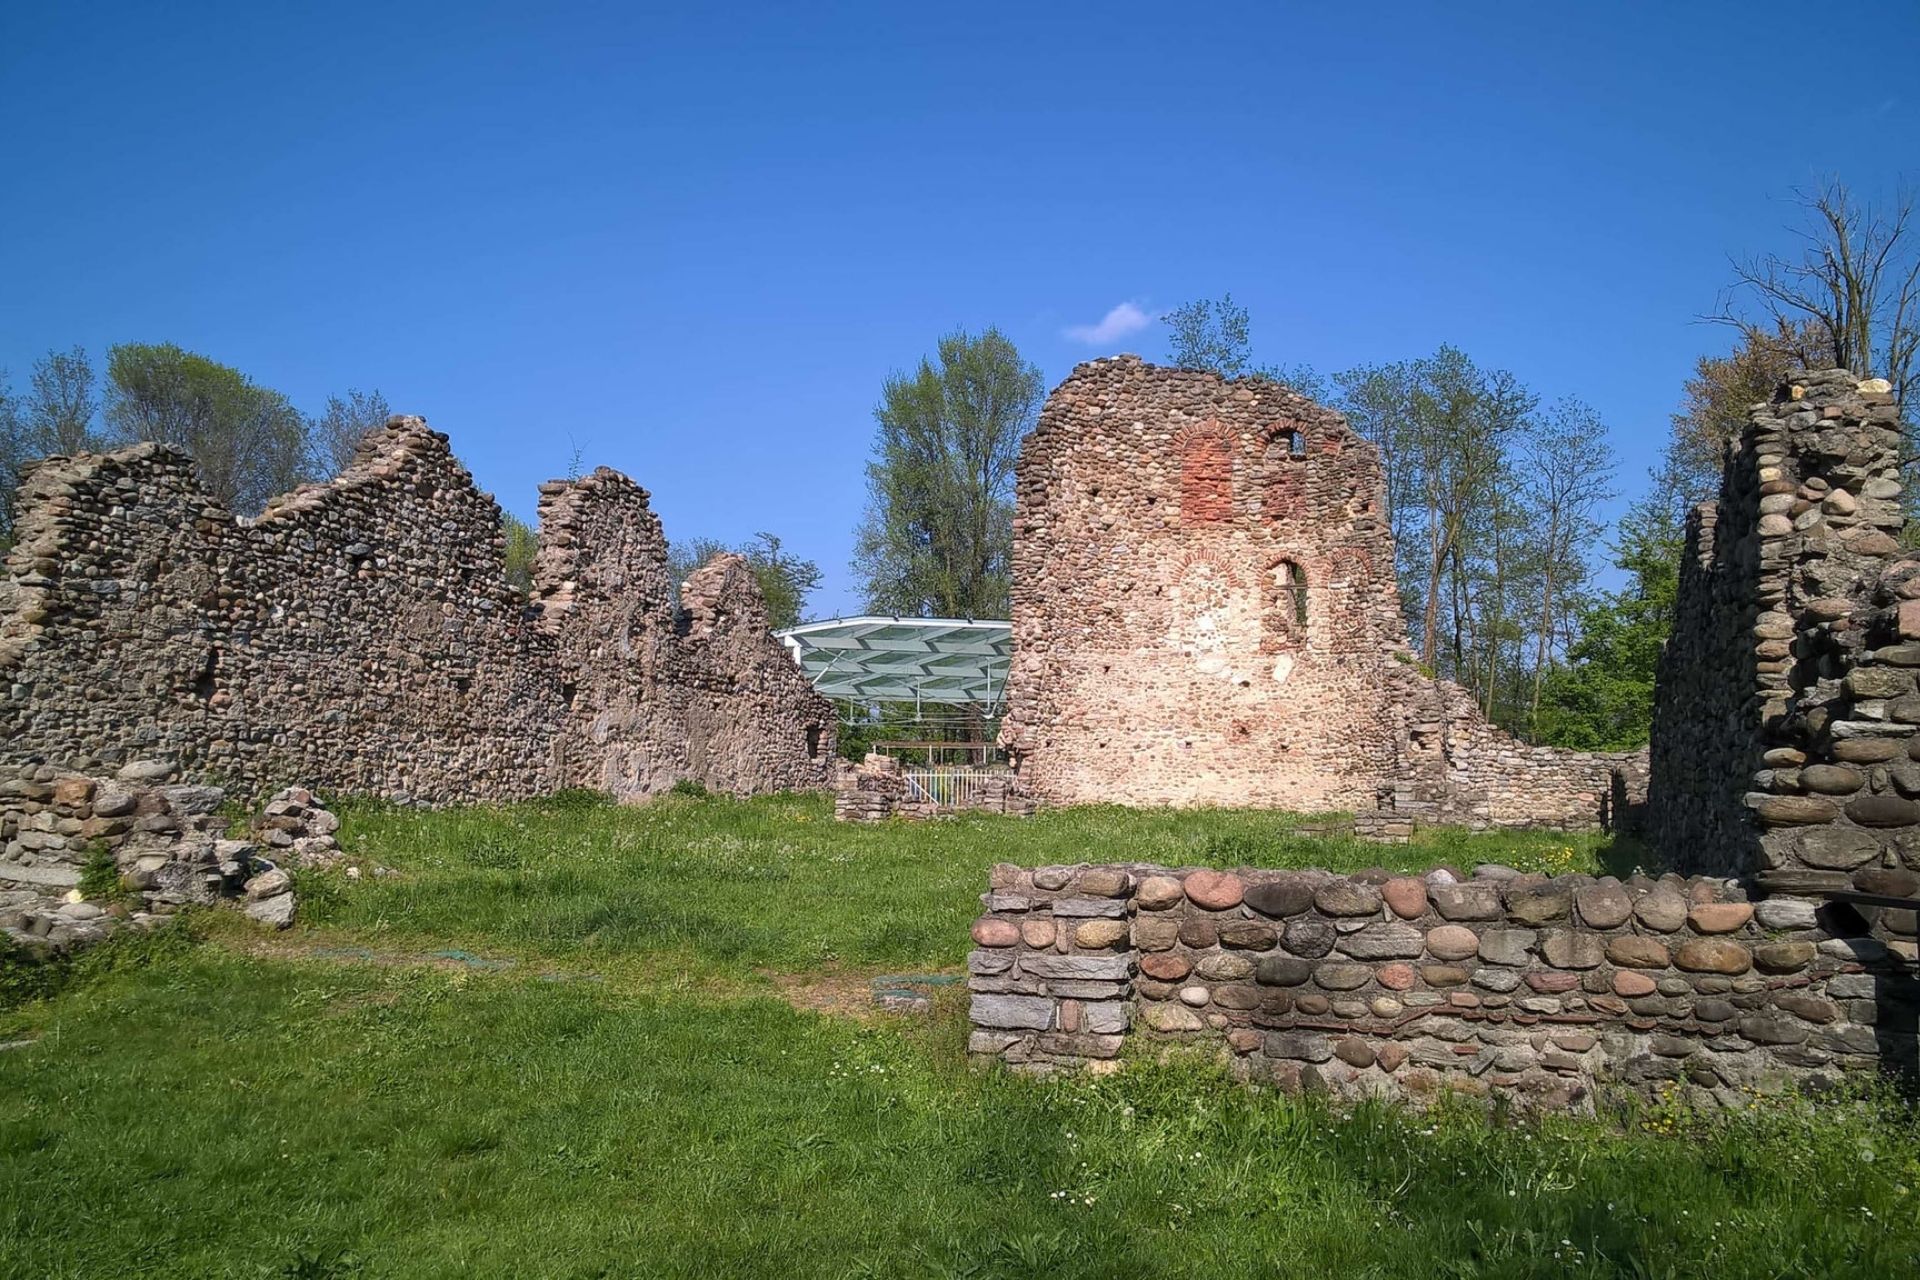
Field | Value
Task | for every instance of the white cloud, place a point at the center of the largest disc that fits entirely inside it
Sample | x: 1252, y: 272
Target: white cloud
x: 1116, y: 324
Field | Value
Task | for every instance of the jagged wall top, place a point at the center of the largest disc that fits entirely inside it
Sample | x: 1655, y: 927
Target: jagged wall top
x: 361, y: 634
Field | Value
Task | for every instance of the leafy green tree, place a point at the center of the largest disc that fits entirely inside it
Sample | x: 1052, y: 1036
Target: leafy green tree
x: 1447, y: 431
x: 1566, y: 473
x: 335, y: 435
x: 521, y: 547
x: 1602, y: 699
x: 937, y: 539
x: 1216, y: 336
x: 249, y: 442
x: 785, y: 580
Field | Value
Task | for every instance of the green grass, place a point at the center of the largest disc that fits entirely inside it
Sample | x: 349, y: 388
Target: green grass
x: 721, y: 884
x: 631, y: 1098
x: 204, y: 1114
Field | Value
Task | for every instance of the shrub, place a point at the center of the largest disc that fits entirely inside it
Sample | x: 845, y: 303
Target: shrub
x: 100, y: 877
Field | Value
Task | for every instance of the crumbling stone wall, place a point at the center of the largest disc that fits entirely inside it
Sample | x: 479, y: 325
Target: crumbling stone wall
x: 1786, y: 740
x: 1410, y: 987
x: 655, y: 693
x: 361, y: 635
x: 1205, y: 612
x: 165, y: 846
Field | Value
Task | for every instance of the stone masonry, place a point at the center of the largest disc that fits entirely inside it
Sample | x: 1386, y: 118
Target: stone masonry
x: 1786, y: 740
x: 361, y: 636
x: 1538, y: 989
x: 1785, y: 767
x: 1205, y: 612
x: 164, y: 845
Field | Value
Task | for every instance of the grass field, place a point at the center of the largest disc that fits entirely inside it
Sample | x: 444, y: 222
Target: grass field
x: 230, y: 1107
x: 720, y: 884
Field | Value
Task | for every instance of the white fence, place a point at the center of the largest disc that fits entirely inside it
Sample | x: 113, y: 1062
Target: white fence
x: 952, y: 787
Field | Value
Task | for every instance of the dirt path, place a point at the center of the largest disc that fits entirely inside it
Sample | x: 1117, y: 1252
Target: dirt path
x: 865, y: 995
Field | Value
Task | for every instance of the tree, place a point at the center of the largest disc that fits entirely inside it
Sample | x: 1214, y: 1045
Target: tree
x: 55, y: 417
x: 1602, y: 699
x: 249, y: 442
x: 1215, y: 336
x: 1568, y: 479
x: 937, y: 539
x: 1210, y: 335
x: 785, y: 580
x: 1444, y: 428
x: 335, y: 435
x: 1492, y: 505
x: 59, y: 410
x: 521, y: 547
x: 1716, y: 398
x: 1855, y: 284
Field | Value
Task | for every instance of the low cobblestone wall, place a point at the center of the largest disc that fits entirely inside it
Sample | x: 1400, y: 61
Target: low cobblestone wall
x: 1539, y: 989
x: 164, y: 843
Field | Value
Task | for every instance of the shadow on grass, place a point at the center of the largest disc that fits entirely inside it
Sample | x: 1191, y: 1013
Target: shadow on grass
x: 1624, y: 854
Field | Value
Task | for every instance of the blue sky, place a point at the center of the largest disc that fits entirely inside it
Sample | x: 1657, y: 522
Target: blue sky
x: 692, y: 241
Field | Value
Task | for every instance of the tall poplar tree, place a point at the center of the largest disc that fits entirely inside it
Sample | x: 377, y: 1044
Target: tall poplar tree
x: 937, y: 539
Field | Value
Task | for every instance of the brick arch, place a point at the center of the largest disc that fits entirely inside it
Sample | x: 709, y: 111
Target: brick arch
x: 1284, y: 446
x: 1205, y: 562
x: 1206, y: 452
x: 1285, y: 441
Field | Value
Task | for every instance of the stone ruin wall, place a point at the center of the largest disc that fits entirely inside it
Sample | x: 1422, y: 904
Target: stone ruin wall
x: 168, y: 844
x: 1785, y: 775
x: 1786, y: 739
x: 360, y: 636
x: 657, y: 693
x: 1412, y: 987
x: 1205, y: 612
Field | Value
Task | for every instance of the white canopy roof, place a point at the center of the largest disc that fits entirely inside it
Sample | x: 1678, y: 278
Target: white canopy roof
x: 872, y: 659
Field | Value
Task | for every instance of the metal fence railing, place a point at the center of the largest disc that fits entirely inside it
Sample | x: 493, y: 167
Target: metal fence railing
x: 951, y: 787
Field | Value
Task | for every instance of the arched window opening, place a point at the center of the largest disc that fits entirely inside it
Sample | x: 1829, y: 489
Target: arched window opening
x: 1285, y: 445
x: 1291, y: 581
x: 1283, y: 613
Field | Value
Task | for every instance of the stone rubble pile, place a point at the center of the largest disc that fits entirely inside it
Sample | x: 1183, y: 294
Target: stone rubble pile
x: 296, y: 826
x: 152, y: 847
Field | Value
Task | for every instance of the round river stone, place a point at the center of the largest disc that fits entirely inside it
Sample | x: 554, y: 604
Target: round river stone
x: 1215, y: 890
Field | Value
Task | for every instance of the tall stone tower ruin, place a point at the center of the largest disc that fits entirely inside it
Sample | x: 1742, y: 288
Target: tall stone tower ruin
x: 1205, y: 611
